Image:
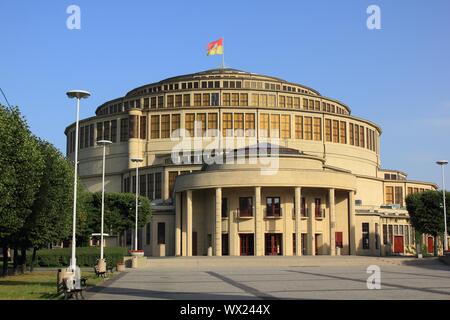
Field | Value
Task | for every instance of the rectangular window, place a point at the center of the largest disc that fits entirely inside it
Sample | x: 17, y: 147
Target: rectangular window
x: 113, y: 131
x: 339, y: 239
x: 92, y: 129
x: 81, y: 138
x: 214, y: 99
x: 170, y: 100
x: 361, y: 136
x: 243, y: 99
x: 86, y: 136
x: 161, y: 102
x: 206, y: 100
x: 271, y: 101
x: 328, y: 130
x: 282, y: 102
x: 212, y: 124
x: 263, y: 100
x: 385, y: 234
x: 255, y: 99
x: 273, y: 207
x: 100, y: 131
x: 317, y: 208
x: 399, y: 195
x: 226, y: 99
x: 285, y: 126
x: 161, y: 233
x: 389, y: 195
x: 352, y: 134
x: 365, y: 235
x: 289, y: 102
x: 303, y: 211
x: 308, y: 128
x: 224, y: 207
x: 178, y: 100
x: 227, y: 124
x: 296, y: 103
x: 186, y: 100
x: 239, y: 124
x: 151, y: 186
x: 106, y: 130
x: 155, y: 127
x: 158, y: 185
x: 235, y: 99
x: 343, y: 132
x: 197, y: 99
x: 274, y: 125
x: 153, y: 102
x: 143, y: 127
x: 249, y: 124
x: 123, y: 129
x: 305, y: 104
x: 356, y: 135
x: 143, y: 185
x: 189, y: 123
x: 335, y: 131
x: 317, y: 129
x: 201, y: 124
x: 298, y: 127
x: 172, y: 176
x: 176, y: 123
x: 165, y: 126
x: 245, y: 206
x: 264, y: 125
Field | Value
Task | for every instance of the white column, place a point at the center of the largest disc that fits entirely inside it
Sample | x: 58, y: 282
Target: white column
x: 351, y: 209
x: 331, y: 199
x: 298, y: 234
x: 259, y: 244
x: 189, y: 222
x: 178, y: 224
x: 218, y: 222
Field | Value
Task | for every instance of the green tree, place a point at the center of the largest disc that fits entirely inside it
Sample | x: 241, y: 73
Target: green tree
x: 50, y: 220
x: 21, y: 167
x: 426, y: 213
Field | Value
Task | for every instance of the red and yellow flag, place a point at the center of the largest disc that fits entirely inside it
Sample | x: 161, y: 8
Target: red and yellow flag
x: 215, y: 47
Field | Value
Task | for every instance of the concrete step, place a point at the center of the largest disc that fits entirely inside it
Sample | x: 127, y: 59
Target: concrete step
x: 279, y: 261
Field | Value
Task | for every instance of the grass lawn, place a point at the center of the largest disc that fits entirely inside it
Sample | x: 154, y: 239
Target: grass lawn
x: 39, y: 285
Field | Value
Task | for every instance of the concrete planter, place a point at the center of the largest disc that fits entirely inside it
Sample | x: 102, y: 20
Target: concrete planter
x: 120, y: 267
x: 136, y: 253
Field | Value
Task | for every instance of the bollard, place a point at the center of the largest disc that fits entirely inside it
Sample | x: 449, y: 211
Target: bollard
x: 134, y: 262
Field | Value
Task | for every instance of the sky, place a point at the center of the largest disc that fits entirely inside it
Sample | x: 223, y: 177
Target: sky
x: 397, y: 76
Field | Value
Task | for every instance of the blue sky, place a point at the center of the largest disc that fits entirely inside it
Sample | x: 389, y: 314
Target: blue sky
x: 397, y: 77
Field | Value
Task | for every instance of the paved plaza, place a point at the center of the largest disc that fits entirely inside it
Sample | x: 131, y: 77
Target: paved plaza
x: 242, y: 278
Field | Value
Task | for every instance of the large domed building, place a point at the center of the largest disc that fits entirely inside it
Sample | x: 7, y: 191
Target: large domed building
x: 294, y: 172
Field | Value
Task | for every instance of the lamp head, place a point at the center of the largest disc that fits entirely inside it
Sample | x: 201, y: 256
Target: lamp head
x: 78, y: 94
x: 104, y: 142
x: 442, y: 162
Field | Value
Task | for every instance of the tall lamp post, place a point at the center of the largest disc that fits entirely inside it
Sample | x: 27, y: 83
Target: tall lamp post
x: 442, y: 163
x: 76, y: 94
x: 104, y: 143
x: 137, y: 161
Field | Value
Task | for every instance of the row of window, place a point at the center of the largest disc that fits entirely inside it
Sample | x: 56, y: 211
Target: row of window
x: 233, y: 124
x: 225, y: 84
x: 150, y: 185
x: 394, y: 194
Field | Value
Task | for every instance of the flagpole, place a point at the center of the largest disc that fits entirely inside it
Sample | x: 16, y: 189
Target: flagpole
x: 223, y: 53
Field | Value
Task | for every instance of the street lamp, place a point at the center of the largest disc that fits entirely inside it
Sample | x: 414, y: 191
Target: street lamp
x: 76, y: 94
x: 442, y: 163
x: 137, y: 161
x: 103, y: 143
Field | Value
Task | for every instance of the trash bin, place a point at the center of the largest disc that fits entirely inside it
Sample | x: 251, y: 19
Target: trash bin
x: 338, y: 251
x: 161, y: 250
x: 210, y: 251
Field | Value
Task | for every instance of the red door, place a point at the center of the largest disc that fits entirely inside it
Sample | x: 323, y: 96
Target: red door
x: 246, y: 244
x: 398, y: 244
x: 430, y: 245
x: 273, y: 244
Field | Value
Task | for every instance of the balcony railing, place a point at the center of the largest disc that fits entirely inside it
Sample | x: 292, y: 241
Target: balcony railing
x: 303, y: 213
x: 245, y: 213
x: 273, y: 212
x: 319, y: 213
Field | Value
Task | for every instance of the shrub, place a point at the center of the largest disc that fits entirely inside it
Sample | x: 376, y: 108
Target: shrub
x: 86, y: 256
